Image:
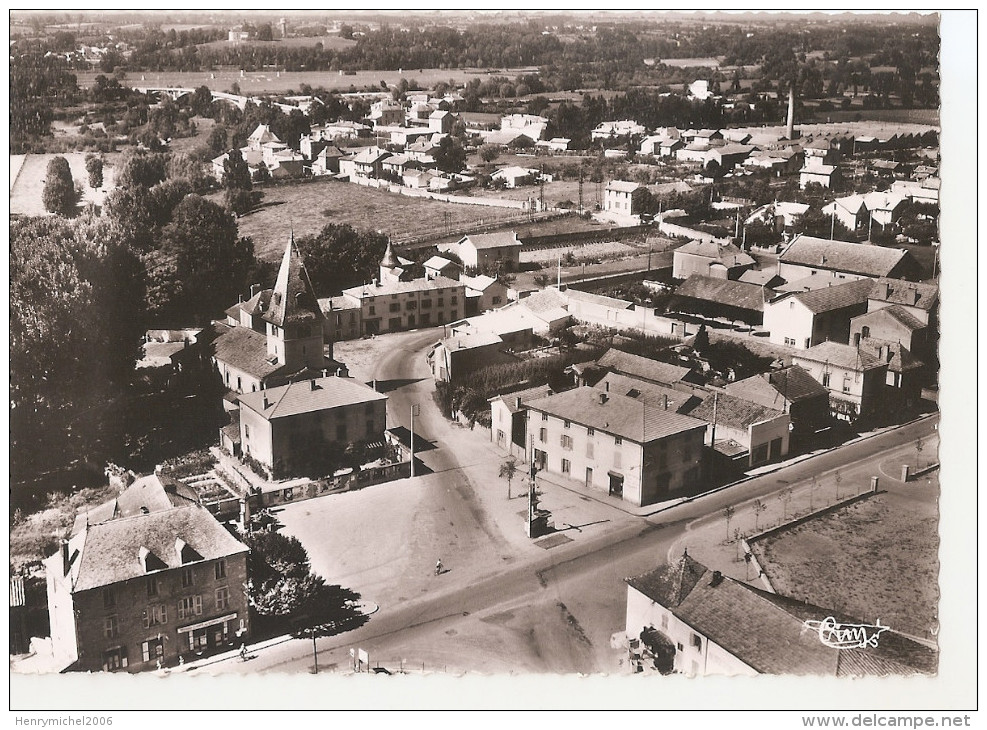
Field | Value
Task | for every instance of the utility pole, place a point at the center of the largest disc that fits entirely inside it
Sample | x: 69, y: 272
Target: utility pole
x: 414, y: 412
x: 832, y: 226
x: 580, y: 188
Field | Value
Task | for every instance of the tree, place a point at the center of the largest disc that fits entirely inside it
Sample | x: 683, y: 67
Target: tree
x: 786, y: 498
x: 261, y: 174
x: 489, y: 152
x: 201, y: 265
x: 728, y: 513
x: 450, y: 156
x: 217, y: 139
x: 94, y: 167
x: 201, y: 101
x: 340, y: 256
x: 140, y: 168
x: 265, y: 32
x: 507, y: 471
x: 59, y: 194
x: 236, y: 173
x: 837, y: 479
x: 759, y: 507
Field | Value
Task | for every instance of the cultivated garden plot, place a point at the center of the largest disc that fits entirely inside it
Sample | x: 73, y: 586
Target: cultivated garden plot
x: 27, y: 181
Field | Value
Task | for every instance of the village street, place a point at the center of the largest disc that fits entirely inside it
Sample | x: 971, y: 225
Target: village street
x: 506, y: 604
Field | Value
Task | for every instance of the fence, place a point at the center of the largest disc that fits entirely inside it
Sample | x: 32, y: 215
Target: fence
x: 554, y: 240
x: 673, y: 229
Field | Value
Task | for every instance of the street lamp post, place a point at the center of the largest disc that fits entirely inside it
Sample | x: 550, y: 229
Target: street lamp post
x: 414, y: 412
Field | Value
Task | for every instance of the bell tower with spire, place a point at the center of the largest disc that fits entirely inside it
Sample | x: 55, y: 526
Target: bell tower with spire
x: 295, y: 322
x: 390, y: 266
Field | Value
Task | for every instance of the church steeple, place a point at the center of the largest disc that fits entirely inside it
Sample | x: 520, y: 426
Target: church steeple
x: 390, y: 260
x: 295, y: 320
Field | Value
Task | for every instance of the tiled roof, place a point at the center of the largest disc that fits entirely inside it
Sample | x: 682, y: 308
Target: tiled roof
x: 895, y: 312
x: 293, y: 300
x: 438, y: 263
x: 478, y: 283
x: 622, y: 186
x: 670, y: 584
x: 109, y: 552
x: 910, y: 294
x: 733, y: 411
x: 335, y: 304
x: 759, y: 277
x: 727, y: 254
x: 471, y: 340
x: 838, y: 296
x: 844, y: 356
x: 546, y: 301
x: 855, y: 258
x: 723, y: 291
x: 768, y: 632
x: 642, y: 367
x: 898, y: 357
x: 651, y: 393
x: 401, y: 287
x: 615, y: 414
x: 308, y: 396
x: 526, y: 395
x: 778, y: 388
x: 246, y: 350
x: 492, y: 240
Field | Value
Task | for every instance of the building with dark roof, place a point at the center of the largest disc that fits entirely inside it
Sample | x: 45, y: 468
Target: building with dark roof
x: 708, y: 258
x: 806, y: 318
x: 275, y: 335
x: 743, y: 429
x: 616, y: 444
x: 303, y: 428
x: 854, y: 378
x: 790, y: 390
x: 687, y: 619
x: 509, y: 420
x: 714, y: 297
x: 807, y: 255
x: 149, y: 577
x: 642, y: 368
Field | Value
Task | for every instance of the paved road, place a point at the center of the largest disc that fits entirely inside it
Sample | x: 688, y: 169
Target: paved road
x: 503, y: 608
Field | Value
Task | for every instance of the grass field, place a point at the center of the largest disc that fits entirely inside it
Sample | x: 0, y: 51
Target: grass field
x: 310, y: 206
x: 875, y: 559
x: 270, y: 81
x: 27, y: 173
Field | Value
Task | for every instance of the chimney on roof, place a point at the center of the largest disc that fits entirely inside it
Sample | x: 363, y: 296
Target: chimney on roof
x: 606, y: 385
x: 267, y: 403
x: 884, y: 353
x: 65, y: 557
x: 603, y: 398
x: 716, y: 579
x: 664, y: 399
x: 179, y: 546
x: 916, y: 295
x: 254, y: 288
x: 312, y: 383
x: 517, y: 402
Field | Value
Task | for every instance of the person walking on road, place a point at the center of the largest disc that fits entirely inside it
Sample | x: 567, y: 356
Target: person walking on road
x: 438, y: 566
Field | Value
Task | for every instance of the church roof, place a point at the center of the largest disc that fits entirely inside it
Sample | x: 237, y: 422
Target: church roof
x: 293, y: 300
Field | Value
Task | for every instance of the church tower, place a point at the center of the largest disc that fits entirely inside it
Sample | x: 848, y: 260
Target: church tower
x: 295, y: 322
x: 390, y: 266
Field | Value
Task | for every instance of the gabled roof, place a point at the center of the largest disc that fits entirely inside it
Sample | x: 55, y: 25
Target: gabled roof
x: 760, y: 277
x: 615, y: 414
x: 907, y: 293
x: 733, y: 411
x: 528, y: 394
x: 839, y: 295
x: 602, y: 300
x: 854, y: 258
x: 438, y: 263
x: 262, y: 134
x: 898, y: 357
x: 727, y: 254
x: 623, y: 186
x: 246, y: 350
x: 895, y: 312
x: 478, y: 283
x: 652, y: 393
x: 642, y: 367
x: 778, y: 388
x: 768, y: 631
x: 851, y: 203
x: 723, y: 291
x: 109, y: 552
x: 840, y: 355
x: 491, y: 240
x: 309, y: 396
x: 293, y: 300
x: 471, y: 340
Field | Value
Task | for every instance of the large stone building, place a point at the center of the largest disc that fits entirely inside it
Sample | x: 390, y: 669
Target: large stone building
x: 149, y: 576
x: 616, y: 444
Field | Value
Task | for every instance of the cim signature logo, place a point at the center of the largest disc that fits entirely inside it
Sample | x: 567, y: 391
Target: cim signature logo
x: 846, y: 636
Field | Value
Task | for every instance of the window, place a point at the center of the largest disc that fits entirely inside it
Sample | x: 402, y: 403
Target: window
x: 411, y: 305
x: 496, y: 300
x: 566, y: 424
x: 566, y: 466
x: 373, y: 310
x: 543, y: 435
x: 618, y: 440
x: 567, y: 442
x: 188, y: 578
x: 190, y: 606
x: 791, y: 304
x: 846, y: 384
x: 152, y: 649
x: 246, y: 430
x: 664, y: 620
x: 109, y: 600
x: 111, y: 627
x: 453, y: 300
x: 114, y: 659
x: 544, y: 416
x: 220, y: 568
x: 590, y: 431
x: 790, y: 341
x: 865, y: 332
x: 154, y: 616
x: 394, y: 307
x: 697, y: 641
x: 825, y: 380
x: 152, y: 587
x: 222, y: 598
x: 442, y: 302
x: 426, y: 303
